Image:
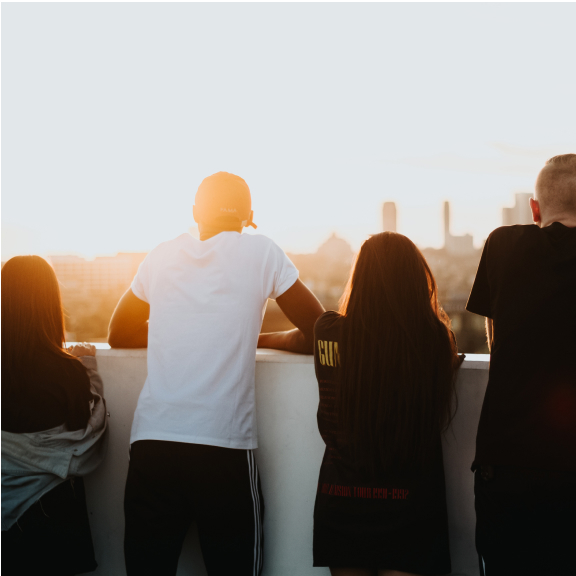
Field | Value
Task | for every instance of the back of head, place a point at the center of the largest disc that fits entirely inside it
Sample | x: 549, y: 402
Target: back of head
x: 556, y: 187
x: 395, y: 389
x: 223, y: 201
x: 32, y: 318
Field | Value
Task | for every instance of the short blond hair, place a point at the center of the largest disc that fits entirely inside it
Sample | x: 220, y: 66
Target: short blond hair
x: 556, y: 185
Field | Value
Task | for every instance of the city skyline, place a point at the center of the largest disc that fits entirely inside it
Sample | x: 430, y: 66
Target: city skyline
x: 91, y: 288
x: 454, y: 244
x: 510, y: 215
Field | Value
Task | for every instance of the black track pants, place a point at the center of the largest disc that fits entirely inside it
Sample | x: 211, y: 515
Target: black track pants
x: 172, y: 484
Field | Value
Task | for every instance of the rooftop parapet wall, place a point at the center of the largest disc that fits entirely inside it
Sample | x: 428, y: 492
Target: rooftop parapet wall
x: 289, y: 456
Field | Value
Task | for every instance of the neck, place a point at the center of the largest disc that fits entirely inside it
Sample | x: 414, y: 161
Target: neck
x: 206, y: 231
x: 568, y: 221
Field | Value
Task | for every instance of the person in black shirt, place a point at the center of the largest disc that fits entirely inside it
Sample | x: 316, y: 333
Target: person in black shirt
x: 525, y: 463
x: 385, y: 367
x: 43, y: 387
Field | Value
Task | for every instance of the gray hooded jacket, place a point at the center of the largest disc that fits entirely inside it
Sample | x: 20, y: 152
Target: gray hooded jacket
x: 33, y: 464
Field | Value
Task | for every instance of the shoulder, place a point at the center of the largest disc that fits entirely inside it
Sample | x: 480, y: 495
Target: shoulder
x: 263, y: 249
x: 259, y: 242
x: 505, y: 240
x: 327, y: 323
x: 166, y: 251
x: 511, y: 234
x: 171, y: 245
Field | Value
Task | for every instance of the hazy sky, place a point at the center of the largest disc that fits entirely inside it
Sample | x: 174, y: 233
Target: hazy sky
x: 112, y: 114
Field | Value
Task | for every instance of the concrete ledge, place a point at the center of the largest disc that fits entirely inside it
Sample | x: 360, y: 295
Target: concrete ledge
x: 289, y: 456
x: 472, y: 361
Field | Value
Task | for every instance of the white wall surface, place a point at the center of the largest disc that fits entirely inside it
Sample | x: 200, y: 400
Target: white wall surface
x: 289, y: 456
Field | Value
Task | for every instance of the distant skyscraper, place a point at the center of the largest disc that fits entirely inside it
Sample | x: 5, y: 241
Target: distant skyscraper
x: 520, y: 213
x: 455, y: 244
x: 389, y: 216
x: 446, y: 222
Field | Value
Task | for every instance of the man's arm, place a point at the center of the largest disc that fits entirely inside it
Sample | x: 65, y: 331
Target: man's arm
x: 129, y: 323
x: 302, y: 308
x: 490, y: 333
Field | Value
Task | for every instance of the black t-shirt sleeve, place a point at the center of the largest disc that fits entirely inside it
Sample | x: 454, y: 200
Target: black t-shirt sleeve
x: 480, y: 300
x: 323, y: 329
x: 318, y: 331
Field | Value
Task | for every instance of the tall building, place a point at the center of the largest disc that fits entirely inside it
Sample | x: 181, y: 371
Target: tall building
x: 389, y: 216
x: 446, y: 222
x: 456, y: 244
x: 520, y: 213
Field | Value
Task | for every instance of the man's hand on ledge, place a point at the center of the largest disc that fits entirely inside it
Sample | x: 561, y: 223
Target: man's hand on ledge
x: 302, y: 308
x: 129, y: 323
x: 291, y: 340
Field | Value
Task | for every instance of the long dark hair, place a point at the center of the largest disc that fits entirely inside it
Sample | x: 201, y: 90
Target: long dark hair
x: 32, y: 316
x: 395, y: 388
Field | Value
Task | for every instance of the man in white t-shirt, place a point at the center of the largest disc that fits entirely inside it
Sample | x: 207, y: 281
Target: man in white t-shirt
x: 197, y: 305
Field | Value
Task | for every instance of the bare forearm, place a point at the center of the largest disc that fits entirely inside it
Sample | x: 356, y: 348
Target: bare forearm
x: 490, y: 333
x: 135, y: 338
x: 129, y: 323
x: 291, y: 340
x: 302, y: 308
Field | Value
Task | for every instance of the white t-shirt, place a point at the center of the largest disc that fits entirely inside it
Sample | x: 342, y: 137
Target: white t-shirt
x: 207, y: 301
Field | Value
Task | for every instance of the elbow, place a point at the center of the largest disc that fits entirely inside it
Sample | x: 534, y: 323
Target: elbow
x: 127, y: 337
x: 115, y: 339
x: 307, y: 346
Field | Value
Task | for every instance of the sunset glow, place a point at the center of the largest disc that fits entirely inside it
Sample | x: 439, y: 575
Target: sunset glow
x: 112, y: 114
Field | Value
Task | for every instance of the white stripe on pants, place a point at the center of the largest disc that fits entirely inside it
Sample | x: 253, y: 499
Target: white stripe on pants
x: 253, y: 471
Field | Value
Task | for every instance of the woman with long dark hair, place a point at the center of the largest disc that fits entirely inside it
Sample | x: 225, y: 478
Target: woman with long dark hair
x: 53, y: 426
x: 385, y: 366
